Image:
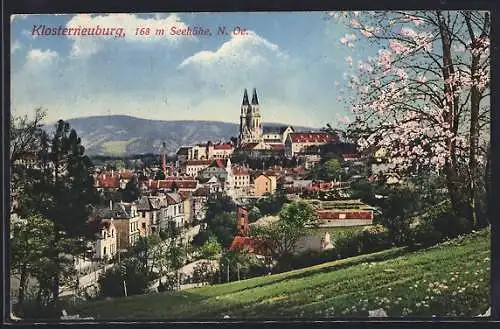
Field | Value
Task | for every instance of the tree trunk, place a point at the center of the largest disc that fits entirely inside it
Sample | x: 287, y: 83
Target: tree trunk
x: 451, y: 165
x: 23, y: 281
x: 475, y: 99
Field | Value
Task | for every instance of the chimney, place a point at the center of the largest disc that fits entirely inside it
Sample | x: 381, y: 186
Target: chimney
x: 112, y: 172
x: 111, y: 204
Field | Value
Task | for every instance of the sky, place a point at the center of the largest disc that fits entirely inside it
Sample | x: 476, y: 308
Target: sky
x: 293, y: 59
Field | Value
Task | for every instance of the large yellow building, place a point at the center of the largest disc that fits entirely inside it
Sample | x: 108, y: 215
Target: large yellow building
x: 264, y: 184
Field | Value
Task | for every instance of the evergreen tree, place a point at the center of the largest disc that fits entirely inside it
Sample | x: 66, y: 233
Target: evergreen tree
x: 60, y: 190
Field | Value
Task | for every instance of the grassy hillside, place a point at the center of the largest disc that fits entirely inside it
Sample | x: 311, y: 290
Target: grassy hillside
x: 448, y: 279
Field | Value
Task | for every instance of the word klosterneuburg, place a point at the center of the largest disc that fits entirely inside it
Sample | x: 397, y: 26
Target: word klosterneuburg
x: 119, y: 32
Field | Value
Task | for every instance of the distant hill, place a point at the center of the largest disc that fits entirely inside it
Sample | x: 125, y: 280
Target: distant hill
x: 126, y: 135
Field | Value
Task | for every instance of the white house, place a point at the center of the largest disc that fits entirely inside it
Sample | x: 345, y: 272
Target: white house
x: 193, y: 167
x: 105, y: 247
x: 175, y: 210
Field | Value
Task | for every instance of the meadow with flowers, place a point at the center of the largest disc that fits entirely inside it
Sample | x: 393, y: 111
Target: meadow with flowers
x: 449, y: 279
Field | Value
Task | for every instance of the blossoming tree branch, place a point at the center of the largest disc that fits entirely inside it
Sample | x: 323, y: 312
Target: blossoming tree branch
x: 424, y: 96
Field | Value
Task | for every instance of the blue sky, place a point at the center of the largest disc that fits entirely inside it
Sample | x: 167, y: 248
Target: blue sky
x: 293, y: 59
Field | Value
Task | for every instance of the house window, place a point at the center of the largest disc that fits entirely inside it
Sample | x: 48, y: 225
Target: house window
x: 143, y: 214
x: 112, y: 233
x: 104, y: 251
x: 144, y: 225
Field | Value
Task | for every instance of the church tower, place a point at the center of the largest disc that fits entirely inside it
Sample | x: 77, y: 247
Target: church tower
x: 250, y: 120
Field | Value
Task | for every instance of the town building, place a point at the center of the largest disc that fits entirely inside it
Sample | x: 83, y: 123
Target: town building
x: 216, y: 169
x: 193, y: 167
x: 105, y: 246
x: 150, y: 211
x: 277, y: 134
x: 199, y: 200
x: 126, y: 221
x: 264, y: 184
x: 179, y: 183
x: 241, y: 178
x: 306, y: 143
x: 205, y: 151
x: 343, y: 213
x: 250, y: 120
x: 186, y: 198
x: 175, y: 211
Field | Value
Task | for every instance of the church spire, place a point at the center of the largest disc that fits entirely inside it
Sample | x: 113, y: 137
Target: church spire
x: 245, y: 98
x: 255, y: 100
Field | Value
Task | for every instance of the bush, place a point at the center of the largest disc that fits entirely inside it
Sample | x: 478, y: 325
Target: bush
x: 374, y: 239
x: 111, y: 281
x: 204, y: 272
x: 169, y: 284
x: 210, y: 249
x: 348, y: 244
x: 424, y: 235
x: 445, y: 221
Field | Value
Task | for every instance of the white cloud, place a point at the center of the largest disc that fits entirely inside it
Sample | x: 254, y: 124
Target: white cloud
x: 249, y: 49
x: 16, y: 45
x: 38, y: 56
x: 125, y: 26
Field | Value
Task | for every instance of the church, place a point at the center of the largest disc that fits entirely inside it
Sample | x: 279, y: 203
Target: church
x: 252, y: 135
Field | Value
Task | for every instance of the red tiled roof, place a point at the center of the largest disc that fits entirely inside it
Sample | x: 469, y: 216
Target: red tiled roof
x: 108, y: 180
x: 350, y: 156
x: 198, y: 162
x: 277, y: 146
x: 224, y: 146
x: 126, y: 174
x: 184, y: 195
x: 219, y: 163
x: 248, y: 146
x: 167, y: 184
x: 252, y: 245
x: 312, y: 137
x: 335, y: 214
x: 240, y: 172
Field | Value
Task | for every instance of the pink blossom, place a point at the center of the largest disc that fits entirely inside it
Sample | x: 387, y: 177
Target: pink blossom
x: 421, y: 79
x: 355, y: 24
x: 398, y: 47
x: 343, y: 40
x: 427, y: 46
x: 366, y: 33
x: 349, y: 60
x: 384, y: 60
x: 402, y: 74
x: 365, y: 67
x: 407, y: 32
x: 344, y: 120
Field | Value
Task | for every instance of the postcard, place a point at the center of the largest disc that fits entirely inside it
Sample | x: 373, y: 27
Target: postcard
x: 250, y: 166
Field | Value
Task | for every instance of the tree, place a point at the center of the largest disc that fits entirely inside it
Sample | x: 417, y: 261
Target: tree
x: 280, y: 238
x: 60, y: 190
x: 398, y: 207
x: 254, y: 214
x: 223, y: 227
x: 29, y: 241
x: 210, y: 249
x: 131, y: 192
x: 160, y: 175
x: 130, y: 270
x: 419, y: 97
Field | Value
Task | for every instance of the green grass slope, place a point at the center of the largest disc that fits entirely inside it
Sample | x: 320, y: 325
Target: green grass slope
x: 451, y: 279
